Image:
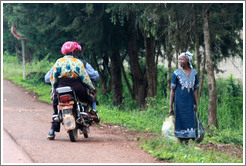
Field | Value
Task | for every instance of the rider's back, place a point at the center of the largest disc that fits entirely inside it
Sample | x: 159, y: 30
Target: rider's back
x: 70, y: 67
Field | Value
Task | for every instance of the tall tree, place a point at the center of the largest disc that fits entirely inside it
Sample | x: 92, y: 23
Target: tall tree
x: 152, y: 25
x: 212, y: 106
x: 116, y: 77
x: 110, y: 40
x: 139, y: 78
x: 168, y: 46
x: 132, y: 15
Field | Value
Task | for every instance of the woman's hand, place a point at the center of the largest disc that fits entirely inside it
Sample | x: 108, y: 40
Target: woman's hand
x: 171, y: 112
x: 195, y: 108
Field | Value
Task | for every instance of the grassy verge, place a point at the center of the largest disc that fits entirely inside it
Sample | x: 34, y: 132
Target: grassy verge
x: 35, y: 72
x: 150, y: 120
x: 180, y: 153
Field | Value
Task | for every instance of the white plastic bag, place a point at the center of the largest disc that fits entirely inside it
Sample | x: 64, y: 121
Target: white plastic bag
x: 168, y: 128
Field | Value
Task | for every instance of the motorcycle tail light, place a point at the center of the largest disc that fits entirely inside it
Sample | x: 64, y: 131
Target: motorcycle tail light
x: 65, y: 98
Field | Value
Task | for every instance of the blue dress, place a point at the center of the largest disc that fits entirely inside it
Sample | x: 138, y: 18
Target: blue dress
x: 184, y: 102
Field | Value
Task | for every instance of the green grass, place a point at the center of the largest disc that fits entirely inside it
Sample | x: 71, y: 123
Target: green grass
x: 179, y: 153
x: 229, y: 114
x: 35, y: 72
x: 149, y: 120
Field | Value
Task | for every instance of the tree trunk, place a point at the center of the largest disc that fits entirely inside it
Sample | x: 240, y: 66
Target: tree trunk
x: 197, y: 52
x: 138, y: 77
x: 103, y: 74
x: 178, y: 44
x: 116, y: 77
x: 151, y: 68
x: 170, y: 58
x: 127, y: 82
x: 201, y: 80
x: 158, y: 47
x: 169, y: 74
x: 197, y: 46
x: 212, y: 108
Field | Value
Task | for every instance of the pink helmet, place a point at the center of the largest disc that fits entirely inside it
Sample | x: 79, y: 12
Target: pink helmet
x: 69, y: 47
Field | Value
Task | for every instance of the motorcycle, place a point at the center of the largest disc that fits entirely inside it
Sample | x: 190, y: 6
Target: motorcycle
x: 72, y: 113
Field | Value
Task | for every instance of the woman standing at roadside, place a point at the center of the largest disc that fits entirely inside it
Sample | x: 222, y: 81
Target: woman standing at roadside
x: 183, y: 96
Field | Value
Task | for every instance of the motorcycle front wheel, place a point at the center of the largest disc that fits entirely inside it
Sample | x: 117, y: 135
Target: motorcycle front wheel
x: 73, y: 135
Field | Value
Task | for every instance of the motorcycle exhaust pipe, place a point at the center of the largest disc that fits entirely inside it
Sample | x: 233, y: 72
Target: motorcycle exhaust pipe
x: 81, y: 120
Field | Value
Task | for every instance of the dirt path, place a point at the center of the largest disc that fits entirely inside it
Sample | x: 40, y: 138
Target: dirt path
x: 26, y: 123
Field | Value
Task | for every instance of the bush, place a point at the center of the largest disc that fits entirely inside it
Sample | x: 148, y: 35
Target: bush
x: 229, y: 104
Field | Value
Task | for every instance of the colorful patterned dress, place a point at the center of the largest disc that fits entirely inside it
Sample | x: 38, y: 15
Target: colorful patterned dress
x: 184, y: 102
x: 70, y: 67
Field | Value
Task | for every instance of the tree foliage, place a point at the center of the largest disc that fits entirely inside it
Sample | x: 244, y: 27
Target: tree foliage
x: 136, y: 33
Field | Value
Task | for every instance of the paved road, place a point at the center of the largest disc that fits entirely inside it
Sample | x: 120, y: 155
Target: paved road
x: 26, y: 123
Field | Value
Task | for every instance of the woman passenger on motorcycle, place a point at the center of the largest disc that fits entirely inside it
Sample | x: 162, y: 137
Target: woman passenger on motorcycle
x: 70, y: 71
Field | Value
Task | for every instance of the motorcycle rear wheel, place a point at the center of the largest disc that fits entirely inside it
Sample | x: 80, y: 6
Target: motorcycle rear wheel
x: 73, y: 135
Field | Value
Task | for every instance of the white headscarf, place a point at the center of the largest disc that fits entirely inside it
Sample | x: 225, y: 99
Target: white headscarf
x: 189, y: 55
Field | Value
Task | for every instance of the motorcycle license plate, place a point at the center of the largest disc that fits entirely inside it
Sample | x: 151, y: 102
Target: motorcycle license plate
x: 69, y: 121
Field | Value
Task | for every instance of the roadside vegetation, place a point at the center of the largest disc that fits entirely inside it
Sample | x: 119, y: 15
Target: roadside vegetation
x: 229, y: 113
x: 124, y: 42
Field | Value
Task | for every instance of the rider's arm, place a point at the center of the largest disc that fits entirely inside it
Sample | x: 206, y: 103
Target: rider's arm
x: 92, y: 73
x: 85, y: 77
x: 55, y: 73
x: 47, y: 76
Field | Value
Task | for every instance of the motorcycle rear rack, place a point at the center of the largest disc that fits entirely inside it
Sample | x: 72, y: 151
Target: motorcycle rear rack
x: 65, y: 89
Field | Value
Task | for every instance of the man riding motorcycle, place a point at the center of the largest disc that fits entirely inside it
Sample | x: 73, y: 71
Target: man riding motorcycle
x: 93, y: 74
x: 70, y: 71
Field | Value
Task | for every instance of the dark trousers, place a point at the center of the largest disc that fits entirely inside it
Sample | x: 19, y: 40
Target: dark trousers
x: 80, y: 90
